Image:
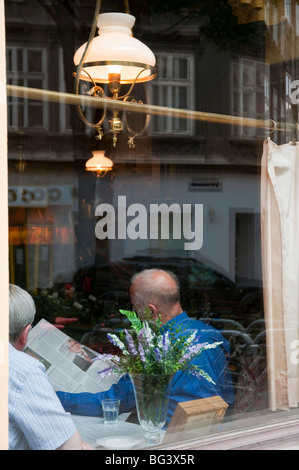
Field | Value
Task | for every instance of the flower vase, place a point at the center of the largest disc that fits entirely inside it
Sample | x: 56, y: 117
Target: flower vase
x: 152, y: 398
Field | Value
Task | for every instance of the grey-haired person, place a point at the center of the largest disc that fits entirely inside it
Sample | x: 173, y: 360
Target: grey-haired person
x: 37, y: 421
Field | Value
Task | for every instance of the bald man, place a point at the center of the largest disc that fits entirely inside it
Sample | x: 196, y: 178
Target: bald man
x: 157, y: 292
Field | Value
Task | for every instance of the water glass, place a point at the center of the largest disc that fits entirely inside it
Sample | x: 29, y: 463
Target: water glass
x: 110, y: 410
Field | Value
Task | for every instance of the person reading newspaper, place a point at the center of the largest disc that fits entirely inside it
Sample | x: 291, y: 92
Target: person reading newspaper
x: 37, y: 421
x: 158, y: 291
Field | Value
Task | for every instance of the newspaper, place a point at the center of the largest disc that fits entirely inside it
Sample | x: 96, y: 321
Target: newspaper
x: 70, y: 366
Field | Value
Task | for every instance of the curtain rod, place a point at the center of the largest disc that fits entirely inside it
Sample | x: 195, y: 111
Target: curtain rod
x: 106, y: 103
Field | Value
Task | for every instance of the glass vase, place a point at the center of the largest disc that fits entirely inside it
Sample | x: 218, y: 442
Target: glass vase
x: 152, y: 398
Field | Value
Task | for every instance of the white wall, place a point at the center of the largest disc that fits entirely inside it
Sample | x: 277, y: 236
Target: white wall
x: 240, y: 193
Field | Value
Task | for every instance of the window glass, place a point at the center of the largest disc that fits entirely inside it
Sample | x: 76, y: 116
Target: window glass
x: 187, y: 189
x: 173, y: 88
x: 26, y: 67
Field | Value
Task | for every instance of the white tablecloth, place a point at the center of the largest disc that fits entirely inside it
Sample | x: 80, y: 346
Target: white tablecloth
x: 93, y: 429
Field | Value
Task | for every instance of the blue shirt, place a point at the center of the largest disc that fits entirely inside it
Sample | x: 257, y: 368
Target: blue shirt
x: 185, y: 386
x: 37, y: 421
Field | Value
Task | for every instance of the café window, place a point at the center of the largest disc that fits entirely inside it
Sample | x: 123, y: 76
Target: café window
x: 173, y: 88
x: 27, y: 67
x: 223, y: 68
x: 41, y: 232
x: 250, y: 93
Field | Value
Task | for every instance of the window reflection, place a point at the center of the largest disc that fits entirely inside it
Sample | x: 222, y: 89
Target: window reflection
x: 54, y: 252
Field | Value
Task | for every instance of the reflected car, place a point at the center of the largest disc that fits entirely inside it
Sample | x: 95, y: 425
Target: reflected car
x: 206, y: 291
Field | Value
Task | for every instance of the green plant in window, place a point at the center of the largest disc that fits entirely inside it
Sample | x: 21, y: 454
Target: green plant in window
x: 148, y: 348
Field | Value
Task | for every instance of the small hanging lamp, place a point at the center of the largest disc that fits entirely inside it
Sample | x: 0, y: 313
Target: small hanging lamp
x: 99, y: 164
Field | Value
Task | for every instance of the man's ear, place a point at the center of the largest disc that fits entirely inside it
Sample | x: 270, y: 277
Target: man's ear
x: 22, y: 339
x: 154, y: 311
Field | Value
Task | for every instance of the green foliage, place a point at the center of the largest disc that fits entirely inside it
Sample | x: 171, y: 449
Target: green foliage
x: 134, y: 319
x: 152, y: 349
x: 65, y: 302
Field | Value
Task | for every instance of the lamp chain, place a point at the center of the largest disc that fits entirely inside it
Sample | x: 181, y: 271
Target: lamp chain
x: 127, y: 8
x: 79, y: 68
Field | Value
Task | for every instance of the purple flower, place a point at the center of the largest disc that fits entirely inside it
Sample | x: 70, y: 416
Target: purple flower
x: 145, y: 334
x: 106, y: 357
x: 192, y: 351
x: 158, y: 354
x: 130, y: 344
x: 116, y: 342
x: 141, y: 352
x: 165, y: 342
x: 191, y: 338
x: 106, y: 372
x: 199, y: 373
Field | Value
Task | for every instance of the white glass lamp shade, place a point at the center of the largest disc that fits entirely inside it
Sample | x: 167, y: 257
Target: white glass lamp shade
x: 115, y: 50
x: 98, y: 162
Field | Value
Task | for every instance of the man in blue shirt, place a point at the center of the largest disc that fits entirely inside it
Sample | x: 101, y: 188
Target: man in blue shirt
x: 158, y: 291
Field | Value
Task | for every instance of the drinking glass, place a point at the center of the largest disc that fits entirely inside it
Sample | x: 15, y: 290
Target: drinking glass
x: 110, y: 410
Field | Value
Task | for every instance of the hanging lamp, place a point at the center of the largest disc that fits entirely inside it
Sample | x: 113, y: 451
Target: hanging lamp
x: 116, y: 51
x: 99, y: 164
x: 113, y: 57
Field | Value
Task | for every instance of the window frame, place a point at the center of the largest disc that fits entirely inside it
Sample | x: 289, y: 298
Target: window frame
x: 167, y: 125
x: 23, y: 106
x: 253, y: 91
x: 280, y: 434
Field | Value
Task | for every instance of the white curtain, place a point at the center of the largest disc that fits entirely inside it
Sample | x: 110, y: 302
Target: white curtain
x: 280, y: 261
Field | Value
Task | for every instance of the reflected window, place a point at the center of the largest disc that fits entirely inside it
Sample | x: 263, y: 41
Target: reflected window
x: 26, y: 67
x: 173, y: 88
x: 250, y: 94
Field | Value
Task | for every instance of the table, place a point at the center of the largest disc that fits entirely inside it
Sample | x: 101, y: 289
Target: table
x: 92, y: 428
